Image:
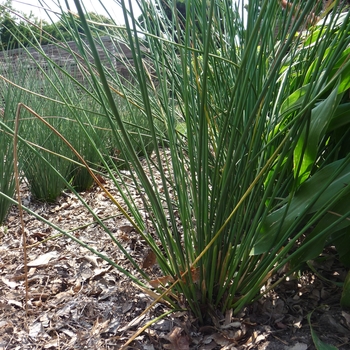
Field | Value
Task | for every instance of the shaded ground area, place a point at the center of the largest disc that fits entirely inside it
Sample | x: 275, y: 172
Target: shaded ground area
x: 77, y: 301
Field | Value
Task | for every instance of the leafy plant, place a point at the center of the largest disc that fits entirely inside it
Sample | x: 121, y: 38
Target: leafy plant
x: 247, y: 104
x: 319, y: 344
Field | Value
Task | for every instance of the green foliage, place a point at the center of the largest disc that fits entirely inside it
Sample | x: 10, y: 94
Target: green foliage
x: 253, y: 123
x: 322, y: 148
x: 62, y: 29
x: 319, y: 344
x: 8, y: 106
x: 48, y: 164
x: 309, y: 200
x: 16, y: 31
x: 27, y: 30
x: 44, y: 167
x: 345, y: 298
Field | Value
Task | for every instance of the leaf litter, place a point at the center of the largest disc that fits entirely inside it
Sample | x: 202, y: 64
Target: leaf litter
x: 78, y: 301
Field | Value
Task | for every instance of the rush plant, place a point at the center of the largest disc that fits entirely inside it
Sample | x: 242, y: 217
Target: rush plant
x: 8, y: 98
x: 7, y: 184
x: 251, y: 104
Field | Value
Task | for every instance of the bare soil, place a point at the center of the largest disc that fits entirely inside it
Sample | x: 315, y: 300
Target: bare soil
x: 77, y: 301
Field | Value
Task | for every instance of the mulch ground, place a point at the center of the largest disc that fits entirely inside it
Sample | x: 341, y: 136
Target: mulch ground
x: 78, y: 301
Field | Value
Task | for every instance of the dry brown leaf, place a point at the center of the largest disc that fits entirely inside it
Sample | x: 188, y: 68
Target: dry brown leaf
x: 15, y: 302
x: 161, y: 281
x: 101, y: 179
x: 43, y: 259
x: 177, y: 341
x: 149, y: 260
x: 152, y: 294
x: 126, y: 229
x: 194, y: 274
x: 233, y: 334
x: 136, y: 321
x: 236, y: 324
x: 99, y: 327
x: 220, y: 339
x: 281, y: 325
x: 9, y: 283
x: 347, y: 318
x: 35, y: 329
x: 53, y: 343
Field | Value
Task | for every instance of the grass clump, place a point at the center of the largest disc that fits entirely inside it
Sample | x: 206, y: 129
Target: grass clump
x: 8, y: 97
x: 7, y: 184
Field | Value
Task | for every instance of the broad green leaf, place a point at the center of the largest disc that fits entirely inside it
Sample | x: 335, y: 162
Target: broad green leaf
x: 314, y: 36
x: 318, y: 239
x: 340, y: 117
x: 344, y: 64
x: 181, y: 128
x: 345, y: 296
x: 341, y: 241
x: 345, y: 80
x: 295, y: 100
x: 303, y: 202
x: 307, y: 146
x: 319, y: 344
